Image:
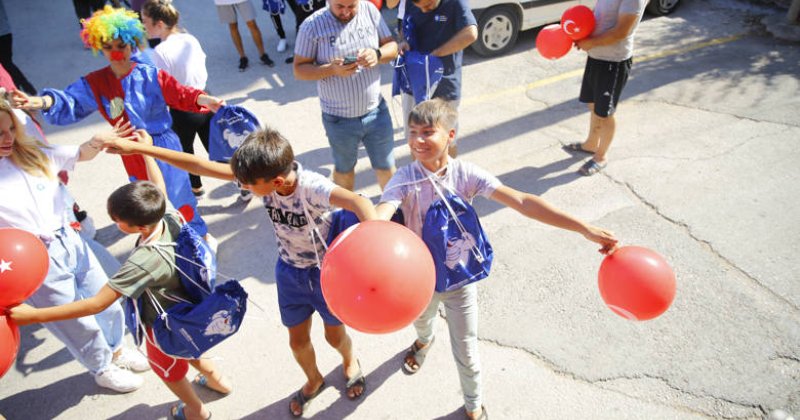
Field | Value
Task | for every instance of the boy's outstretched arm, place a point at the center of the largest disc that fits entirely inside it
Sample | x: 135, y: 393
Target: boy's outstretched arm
x: 539, y: 209
x: 154, y: 174
x: 25, y: 314
x: 349, y: 200
x: 188, y: 162
x: 385, y: 211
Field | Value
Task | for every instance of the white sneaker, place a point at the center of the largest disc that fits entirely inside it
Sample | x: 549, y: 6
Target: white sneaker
x: 212, y: 242
x: 282, y: 45
x: 132, y: 359
x: 117, y: 379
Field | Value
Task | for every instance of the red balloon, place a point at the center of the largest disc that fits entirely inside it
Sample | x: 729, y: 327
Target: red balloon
x: 378, y: 3
x: 578, y: 22
x: 552, y: 42
x: 377, y: 277
x: 636, y: 283
x: 187, y: 212
x: 9, y: 343
x: 23, y: 265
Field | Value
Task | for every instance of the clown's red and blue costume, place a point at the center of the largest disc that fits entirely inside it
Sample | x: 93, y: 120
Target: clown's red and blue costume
x: 141, y: 97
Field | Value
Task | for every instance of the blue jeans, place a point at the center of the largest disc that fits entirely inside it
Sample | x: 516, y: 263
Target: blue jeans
x: 374, y: 129
x: 76, y: 274
x: 461, y: 309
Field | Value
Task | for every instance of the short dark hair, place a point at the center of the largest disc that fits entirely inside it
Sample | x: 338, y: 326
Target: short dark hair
x: 434, y: 112
x: 265, y: 154
x: 140, y: 203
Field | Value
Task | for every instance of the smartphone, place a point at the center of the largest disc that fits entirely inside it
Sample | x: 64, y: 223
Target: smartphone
x: 350, y: 59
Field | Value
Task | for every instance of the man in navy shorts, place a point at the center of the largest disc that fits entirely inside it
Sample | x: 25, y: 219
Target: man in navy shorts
x: 610, y: 49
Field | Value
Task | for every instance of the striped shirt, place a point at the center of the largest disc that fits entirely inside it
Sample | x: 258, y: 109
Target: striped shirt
x: 323, y: 37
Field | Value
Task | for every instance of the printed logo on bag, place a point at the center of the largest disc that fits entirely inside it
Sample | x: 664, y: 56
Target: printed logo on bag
x: 220, y: 324
x: 230, y: 127
x: 458, y: 251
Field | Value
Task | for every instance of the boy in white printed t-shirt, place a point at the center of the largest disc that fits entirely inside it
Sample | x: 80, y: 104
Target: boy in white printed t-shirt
x: 298, y: 202
x: 431, y: 131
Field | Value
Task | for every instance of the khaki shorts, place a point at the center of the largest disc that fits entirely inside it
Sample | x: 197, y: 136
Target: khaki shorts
x: 227, y: 13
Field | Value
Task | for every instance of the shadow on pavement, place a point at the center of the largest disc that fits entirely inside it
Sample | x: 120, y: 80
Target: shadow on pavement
x: 343, y: 406
x: 60, y: 396
x: 29, y: 342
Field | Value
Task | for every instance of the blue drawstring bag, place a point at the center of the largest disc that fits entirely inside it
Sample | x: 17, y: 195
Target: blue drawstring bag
x: 274, y: 7
x: 342, y: 219
x: 418, y: 75
x: 213, y: 312
x: 229, y: 127
x: 459, y: 246
x: 187, y: 330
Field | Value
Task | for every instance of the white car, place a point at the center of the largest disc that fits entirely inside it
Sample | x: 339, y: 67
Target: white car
x: 499, y: 21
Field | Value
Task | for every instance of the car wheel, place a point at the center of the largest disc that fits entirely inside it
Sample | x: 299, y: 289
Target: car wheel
x: 497, y: 32
x: 662, y: 7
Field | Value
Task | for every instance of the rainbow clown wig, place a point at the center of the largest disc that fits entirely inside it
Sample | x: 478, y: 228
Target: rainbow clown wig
x: 109, y: 24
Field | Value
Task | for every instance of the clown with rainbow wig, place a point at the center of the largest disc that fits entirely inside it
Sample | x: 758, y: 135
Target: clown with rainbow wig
x: 128, y: 91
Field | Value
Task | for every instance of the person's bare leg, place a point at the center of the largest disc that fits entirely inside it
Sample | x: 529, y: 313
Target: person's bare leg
x: 384, y: 175
x: 475, y: 414
x: 256, y: 34
x: 195, y: 409
x: 337, y: 337
x: 303, y: 351
x: 214, y: 377
x: 346, y: 180
x: 237, y: 38
x: 606, y: 127
x: 593, y: 137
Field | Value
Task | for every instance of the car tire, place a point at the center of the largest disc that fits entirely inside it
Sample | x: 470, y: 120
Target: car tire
x: 662, y: 7
x: 498, y: 29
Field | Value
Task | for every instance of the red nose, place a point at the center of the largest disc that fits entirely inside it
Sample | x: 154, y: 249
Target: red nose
x: 117, y: 55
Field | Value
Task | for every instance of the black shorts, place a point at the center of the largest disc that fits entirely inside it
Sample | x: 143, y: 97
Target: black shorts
x: 603, y: 82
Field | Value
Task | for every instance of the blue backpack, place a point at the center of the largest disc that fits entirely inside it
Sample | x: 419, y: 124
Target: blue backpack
x: 274, y: 7
x: 342, y: 219
x: 459, y: 246
x: 213, y: 312
x: 229, y: 127
x: 417, y: 74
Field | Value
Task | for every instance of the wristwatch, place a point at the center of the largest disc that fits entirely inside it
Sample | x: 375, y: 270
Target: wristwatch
x: 378, y: 53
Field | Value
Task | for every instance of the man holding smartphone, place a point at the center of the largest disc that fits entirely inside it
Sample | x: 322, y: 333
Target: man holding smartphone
x: 340, y: 47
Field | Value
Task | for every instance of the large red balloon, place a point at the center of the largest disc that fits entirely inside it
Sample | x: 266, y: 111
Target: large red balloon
x: 9, y: 344
x: 23, y: 265
x: 578, y: 22
x: 552, y: 42
x: 636, y: 283
x: 377, y: 277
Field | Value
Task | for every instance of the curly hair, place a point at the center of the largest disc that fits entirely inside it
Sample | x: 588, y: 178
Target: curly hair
x: 109, y: 24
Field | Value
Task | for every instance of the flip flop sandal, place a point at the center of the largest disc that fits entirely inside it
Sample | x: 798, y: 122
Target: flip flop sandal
x: 202, y: 380
x: 356, y: 380
x: 591, y: 167
x: 303, y: 400
x: 576, y: 148
x: 176, y: 412
x: 418, y: 355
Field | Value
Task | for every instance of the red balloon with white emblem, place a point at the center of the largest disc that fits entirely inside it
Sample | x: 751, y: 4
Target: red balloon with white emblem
x: 552, y: 42
x: 23, y: 265
x: 578, y: 22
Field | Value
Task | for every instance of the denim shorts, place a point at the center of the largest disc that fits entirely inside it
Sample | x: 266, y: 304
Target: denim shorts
x: 374, y: 129
x: 300, y: 294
